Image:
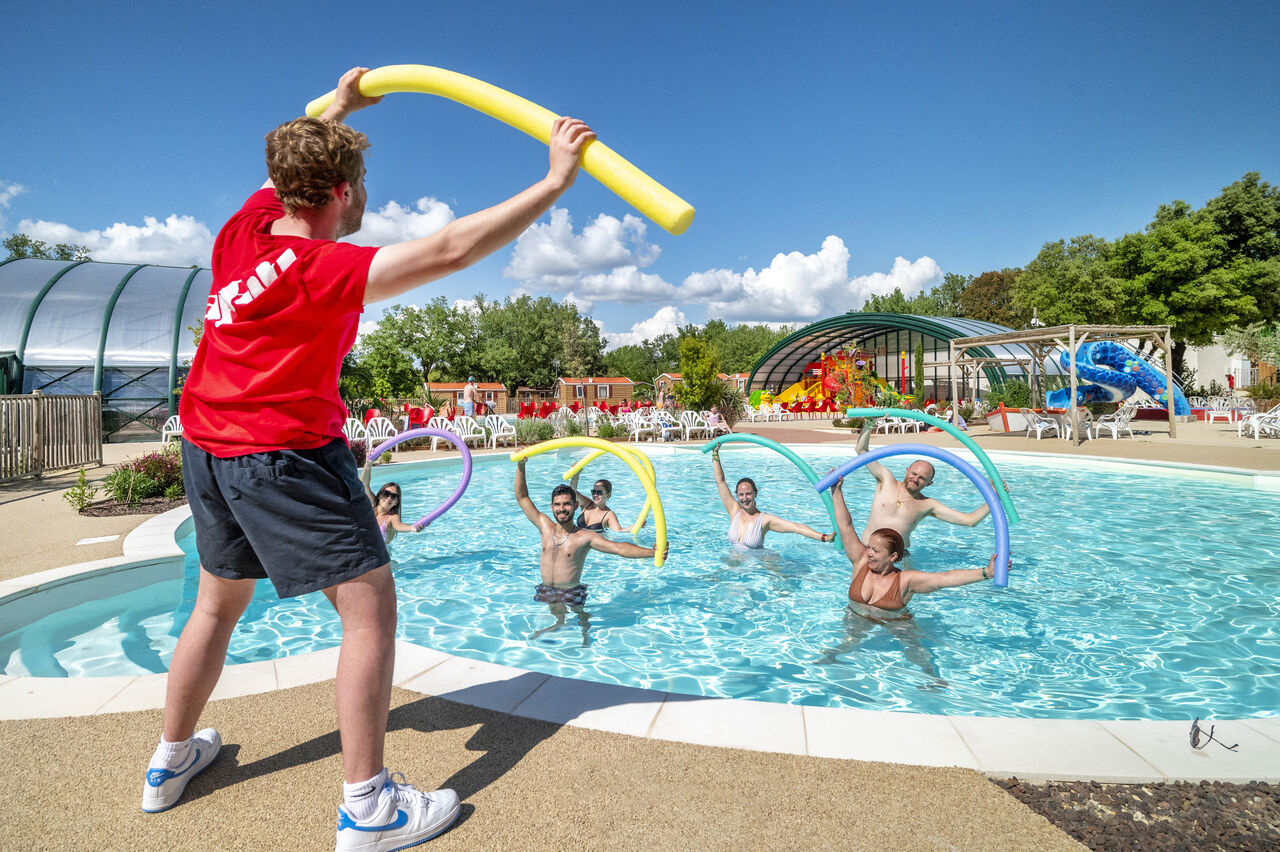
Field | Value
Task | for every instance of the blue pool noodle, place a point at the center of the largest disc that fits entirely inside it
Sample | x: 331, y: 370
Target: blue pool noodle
x: 998, y: 516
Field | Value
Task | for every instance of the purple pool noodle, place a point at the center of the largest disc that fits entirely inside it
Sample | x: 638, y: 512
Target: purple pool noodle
x: 426, y: 519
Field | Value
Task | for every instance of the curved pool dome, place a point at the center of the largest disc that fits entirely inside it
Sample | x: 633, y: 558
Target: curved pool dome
x: 886, y: 336
x: 121, y: 329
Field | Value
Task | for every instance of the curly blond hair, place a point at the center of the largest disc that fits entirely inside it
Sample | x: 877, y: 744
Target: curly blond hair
x: 308, y: 157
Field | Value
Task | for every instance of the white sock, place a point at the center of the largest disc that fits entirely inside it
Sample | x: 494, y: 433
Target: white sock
x: 361, y: 798
x: 168, y: 755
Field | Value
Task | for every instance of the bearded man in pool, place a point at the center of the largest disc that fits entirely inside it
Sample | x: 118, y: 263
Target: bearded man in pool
x: 900, y: 506
x: 564, y: 549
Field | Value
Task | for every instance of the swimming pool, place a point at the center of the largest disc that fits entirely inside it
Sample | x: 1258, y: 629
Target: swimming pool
x: 1104, y: 618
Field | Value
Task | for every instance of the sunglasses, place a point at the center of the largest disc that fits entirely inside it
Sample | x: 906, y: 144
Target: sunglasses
x: 597, y: 491
x: 1197, y: 732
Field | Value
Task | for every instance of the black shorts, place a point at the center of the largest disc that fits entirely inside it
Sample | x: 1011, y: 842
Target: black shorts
x: 298, y: 517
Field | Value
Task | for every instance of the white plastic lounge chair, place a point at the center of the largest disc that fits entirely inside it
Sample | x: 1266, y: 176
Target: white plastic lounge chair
x: 1257, y: 425
x: 172, y: 429
x: 499, y: 430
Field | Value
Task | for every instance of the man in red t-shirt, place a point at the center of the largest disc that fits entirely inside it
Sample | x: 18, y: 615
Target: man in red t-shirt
x: 272, y: 484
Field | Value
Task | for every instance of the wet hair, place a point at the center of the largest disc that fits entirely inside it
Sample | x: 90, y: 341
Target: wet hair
x: 747, y: 480
x: 395, y: 509
x: 564, y: 489
x: 893, y: 538
x: 308, y: 157
x: 608, y: 486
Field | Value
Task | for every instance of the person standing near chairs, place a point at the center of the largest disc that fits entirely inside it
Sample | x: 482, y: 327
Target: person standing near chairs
x: 469, y: 397
x: 272, y: 485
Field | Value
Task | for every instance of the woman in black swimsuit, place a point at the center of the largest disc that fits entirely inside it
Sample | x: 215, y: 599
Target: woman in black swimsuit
x: 596, y: 514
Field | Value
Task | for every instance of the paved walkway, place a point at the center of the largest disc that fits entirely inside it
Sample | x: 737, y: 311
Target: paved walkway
x: 527, y: 783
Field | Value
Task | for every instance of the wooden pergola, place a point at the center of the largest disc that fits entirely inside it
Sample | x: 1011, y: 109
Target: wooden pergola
x: 1043, y: 342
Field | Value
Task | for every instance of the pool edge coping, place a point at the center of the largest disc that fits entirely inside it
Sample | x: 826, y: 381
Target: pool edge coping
x: 1112, y: 751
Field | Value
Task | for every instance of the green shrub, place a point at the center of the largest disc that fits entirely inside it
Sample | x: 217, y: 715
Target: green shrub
x: 129, y: 486
x: 1014, y: 394
x: 533, y: 430
x: 543, y: 430
x: 605, y: 431
x: 81, y: 494
x: 572, y: 428
x: 730, y: 400
x: 175, y: 492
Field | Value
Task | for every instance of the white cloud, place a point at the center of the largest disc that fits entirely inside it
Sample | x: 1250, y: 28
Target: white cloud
x: 394, y: 223
x: 624, y: 284
x: 367, y: 327
x: 797, y: 287
x: 550, y: 254
x: 584, y: 306
x: 10, y: 191
x: 667, y: 320
x: 177, y: 241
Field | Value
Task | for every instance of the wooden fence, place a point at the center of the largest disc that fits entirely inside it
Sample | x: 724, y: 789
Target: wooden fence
x: 40, y: 433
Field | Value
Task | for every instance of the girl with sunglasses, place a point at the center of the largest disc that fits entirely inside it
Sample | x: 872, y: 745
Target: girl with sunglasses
x: 386, y: 505
x: 596, y: 514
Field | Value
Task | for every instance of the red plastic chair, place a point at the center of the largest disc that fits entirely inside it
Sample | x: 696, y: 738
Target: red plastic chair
x: 544, y: 410
x: 370, y: 414
x: 417, y: 417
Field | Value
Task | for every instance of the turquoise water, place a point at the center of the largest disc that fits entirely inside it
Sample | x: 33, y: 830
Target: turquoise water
x: 1135, y: 595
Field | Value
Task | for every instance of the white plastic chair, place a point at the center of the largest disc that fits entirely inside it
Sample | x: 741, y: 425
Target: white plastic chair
x: 172, y: 429
x: 640, y: 427
x: 1264, y: 423
x: 466, y: 428
x: 353, y: 429
x: 1040, y: 423
x: 691, y: 422
x: 499, y: 430
x: 1219, y: 409
x: 1117, y: 422
x: 379, y: 428
x: 664, y: 422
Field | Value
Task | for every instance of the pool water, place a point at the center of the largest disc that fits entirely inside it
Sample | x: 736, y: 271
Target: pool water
x: 1135, y: 593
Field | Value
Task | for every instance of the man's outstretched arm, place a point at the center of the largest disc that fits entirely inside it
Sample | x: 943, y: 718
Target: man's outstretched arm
x: 964, y: 519
x: 879, y: 471
x: 404, y: 266
x: 522, y: 497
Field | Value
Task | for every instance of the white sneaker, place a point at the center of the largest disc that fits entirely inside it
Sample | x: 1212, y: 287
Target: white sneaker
x: 164, y: 787
x: 405, y: 817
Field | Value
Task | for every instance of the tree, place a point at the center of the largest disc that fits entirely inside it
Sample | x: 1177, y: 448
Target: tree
x: 1247, y: 217
x: 20, y: 245
x: 989, y: 298
x: 1257, y: 342
x: 946, y: 296
x: 700, y: 385
x: 917, y: 384
x: 1072, y: 282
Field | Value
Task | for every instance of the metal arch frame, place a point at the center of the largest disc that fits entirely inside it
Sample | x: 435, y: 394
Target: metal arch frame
x: 106, y: 325
x: 802, y: 346
x: 21, y: 350
x: 177, y: 332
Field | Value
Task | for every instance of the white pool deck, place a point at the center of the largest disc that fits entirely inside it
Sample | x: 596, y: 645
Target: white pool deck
x: 1032, y: 749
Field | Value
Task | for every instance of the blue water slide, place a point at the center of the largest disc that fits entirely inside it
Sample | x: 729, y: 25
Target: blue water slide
x: 1114, y: 373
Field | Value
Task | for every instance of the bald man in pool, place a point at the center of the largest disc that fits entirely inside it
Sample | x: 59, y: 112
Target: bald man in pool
x: 900, y: 506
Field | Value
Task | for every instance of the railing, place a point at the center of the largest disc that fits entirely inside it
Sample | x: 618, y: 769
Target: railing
x: 40, y: 433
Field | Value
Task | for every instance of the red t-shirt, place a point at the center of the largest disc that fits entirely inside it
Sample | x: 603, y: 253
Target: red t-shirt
x: 282, y: 313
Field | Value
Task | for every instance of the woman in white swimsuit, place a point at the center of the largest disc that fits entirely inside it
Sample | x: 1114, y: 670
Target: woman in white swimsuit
x: 747, y: 524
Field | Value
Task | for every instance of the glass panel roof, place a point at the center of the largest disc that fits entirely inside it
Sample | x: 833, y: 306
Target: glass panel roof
x: 69, y: 320
x: 20, y: 282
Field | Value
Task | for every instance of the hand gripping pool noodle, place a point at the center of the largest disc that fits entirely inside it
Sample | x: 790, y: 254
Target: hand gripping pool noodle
x: 426, y: 519
x: 988, y: 493
x: 644, y: 459
x: 956, y: 432
x: 635, y: 187
x: 659, y: 516
x: 747, y: 438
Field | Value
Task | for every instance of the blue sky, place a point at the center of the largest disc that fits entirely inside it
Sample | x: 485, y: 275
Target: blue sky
x: 832, y: 150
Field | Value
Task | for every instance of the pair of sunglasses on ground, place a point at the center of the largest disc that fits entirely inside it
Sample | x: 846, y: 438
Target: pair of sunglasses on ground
x: 1200, y: 739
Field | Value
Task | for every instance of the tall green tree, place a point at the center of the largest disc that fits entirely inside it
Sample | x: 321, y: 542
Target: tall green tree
x: 700, y: 385
x: 989, y: 298
x: 1073, y: 282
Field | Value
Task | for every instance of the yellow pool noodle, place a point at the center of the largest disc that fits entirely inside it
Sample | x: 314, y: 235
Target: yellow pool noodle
x: 635, y: 187
x: 659, y: 516
x: 644, y: 459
